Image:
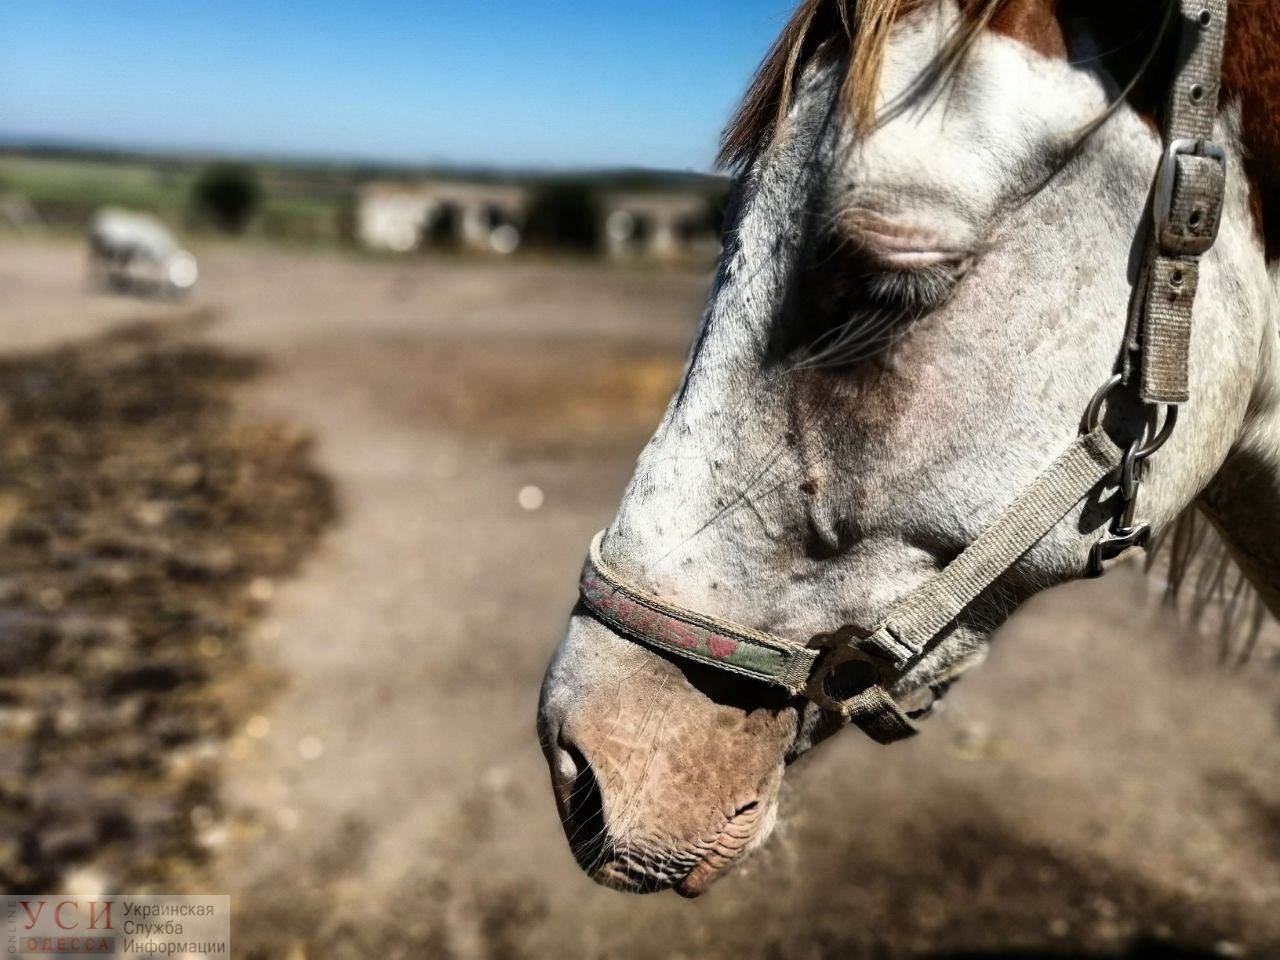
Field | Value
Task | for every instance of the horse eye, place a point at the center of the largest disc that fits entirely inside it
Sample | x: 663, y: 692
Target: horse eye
x: 850, y: 301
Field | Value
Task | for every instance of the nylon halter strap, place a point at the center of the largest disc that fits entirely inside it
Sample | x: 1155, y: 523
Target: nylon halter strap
x: 820, y: 668
x: 850, y: 671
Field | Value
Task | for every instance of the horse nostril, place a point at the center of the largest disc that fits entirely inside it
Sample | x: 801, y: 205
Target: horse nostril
x: 566, y: 764
x: 581, y: 805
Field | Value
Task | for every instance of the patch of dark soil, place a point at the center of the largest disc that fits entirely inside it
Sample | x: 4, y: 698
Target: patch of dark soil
x: 966, y: 890
x: 1262, y: 812
x: 1143, y: 950
x: 141, y: 525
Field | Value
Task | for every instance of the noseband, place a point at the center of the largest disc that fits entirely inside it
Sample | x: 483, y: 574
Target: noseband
x: 851, y: 671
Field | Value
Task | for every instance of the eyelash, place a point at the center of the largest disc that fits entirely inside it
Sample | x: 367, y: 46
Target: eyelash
x: 847, y: 309
x: 921, y: 289
x: 865, y: 335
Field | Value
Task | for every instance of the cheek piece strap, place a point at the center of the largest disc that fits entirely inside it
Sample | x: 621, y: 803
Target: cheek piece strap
x: 853, y: 672
x: 822, y: 668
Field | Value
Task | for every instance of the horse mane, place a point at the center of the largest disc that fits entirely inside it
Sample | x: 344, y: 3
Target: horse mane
x: 1205, y: 582
x: 826, y: 31
x: 858, y: 31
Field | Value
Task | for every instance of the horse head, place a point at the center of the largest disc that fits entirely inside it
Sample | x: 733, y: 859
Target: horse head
x: 929, y: 271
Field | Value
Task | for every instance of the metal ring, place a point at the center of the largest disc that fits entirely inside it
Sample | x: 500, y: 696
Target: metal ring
x: 1093, y: 412
x: 1162, y: 435
x: 1093, y: 417
x: 840, y: 650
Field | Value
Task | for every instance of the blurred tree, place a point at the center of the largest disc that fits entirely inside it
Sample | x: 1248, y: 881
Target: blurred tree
x: 227, y: 195
x: 564, y: 215
x: 443, y: 230
x: 346, y: 219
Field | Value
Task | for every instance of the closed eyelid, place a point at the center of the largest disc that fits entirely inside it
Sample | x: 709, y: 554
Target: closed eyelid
x: 904, y: 242
x: 880, y: 263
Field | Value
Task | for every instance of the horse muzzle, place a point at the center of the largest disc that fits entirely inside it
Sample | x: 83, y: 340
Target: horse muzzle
x: 614, y: 842
x: 658, y: 785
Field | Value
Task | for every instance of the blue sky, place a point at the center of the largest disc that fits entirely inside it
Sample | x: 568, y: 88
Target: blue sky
x: 512, y: 83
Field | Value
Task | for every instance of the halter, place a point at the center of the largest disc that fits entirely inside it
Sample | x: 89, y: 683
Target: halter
x: 851, y: 671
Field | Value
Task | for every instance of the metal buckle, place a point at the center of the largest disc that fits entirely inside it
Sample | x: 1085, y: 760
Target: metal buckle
x: 841, y: 649
x: 1114, y: 545
x: 1127, y: 532
x: 1165, y: 187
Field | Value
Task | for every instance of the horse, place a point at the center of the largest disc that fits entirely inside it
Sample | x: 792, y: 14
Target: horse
x: 948, y: 247
x: 136, y: 253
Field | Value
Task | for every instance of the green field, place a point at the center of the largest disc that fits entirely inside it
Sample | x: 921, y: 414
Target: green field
x: 301, y: 203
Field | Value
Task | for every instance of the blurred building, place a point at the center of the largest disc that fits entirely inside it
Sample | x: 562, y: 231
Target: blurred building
x: 480, y: 217
x: 659, y: 226
x: 491, y: 218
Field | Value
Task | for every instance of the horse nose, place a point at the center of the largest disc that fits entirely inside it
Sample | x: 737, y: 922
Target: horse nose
x: 578, y: 798
x: 567, y: 765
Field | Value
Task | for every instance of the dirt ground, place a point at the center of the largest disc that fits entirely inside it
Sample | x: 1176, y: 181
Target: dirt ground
x: 372, y: 785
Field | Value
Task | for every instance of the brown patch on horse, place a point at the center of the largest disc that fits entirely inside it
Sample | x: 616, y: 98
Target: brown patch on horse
x: 1034, y: 23
x: 1251, y: 76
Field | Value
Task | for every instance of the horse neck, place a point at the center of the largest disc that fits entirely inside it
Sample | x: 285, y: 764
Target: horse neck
x: 1243, y: 500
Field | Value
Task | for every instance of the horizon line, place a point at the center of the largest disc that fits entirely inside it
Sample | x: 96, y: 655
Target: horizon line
x: 18, y: 141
